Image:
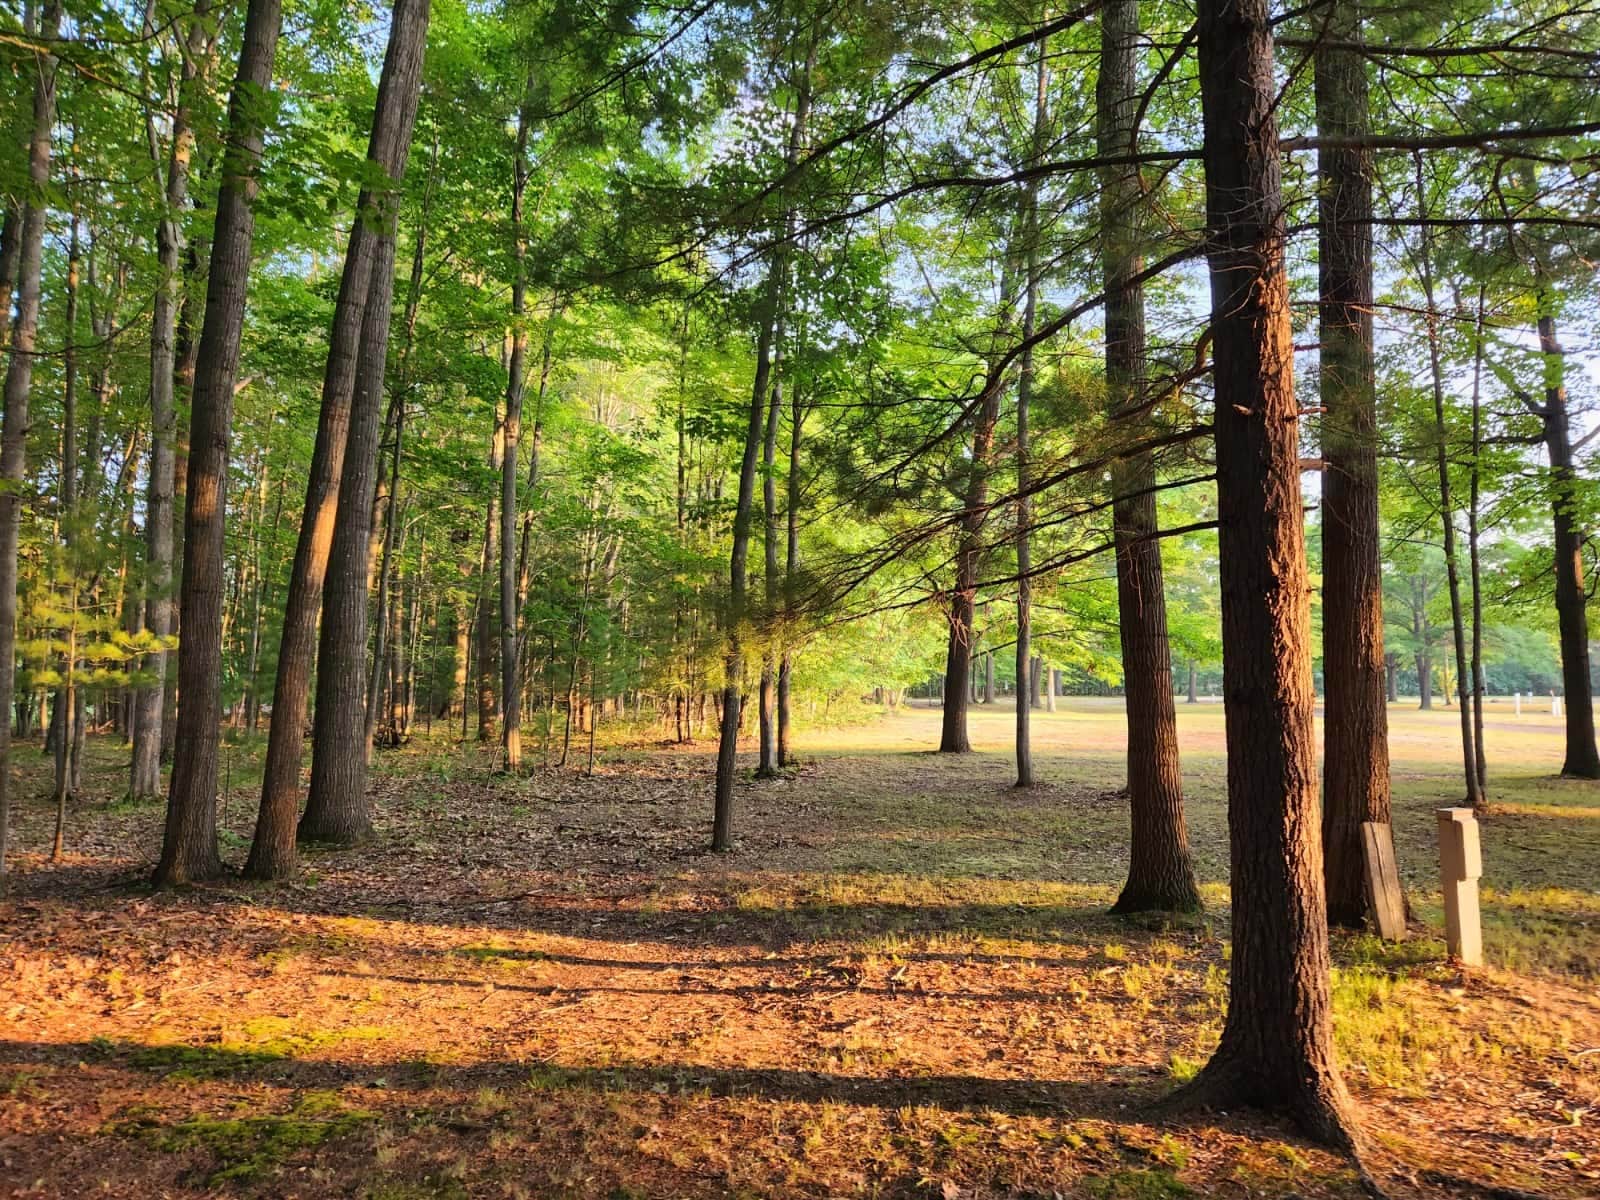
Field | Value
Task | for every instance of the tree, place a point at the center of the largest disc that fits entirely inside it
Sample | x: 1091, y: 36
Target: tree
x: 1356, y: 722
x: 1160, y: 873
x: 189, y: 842
x: 272, y: 850
x: 19, y: 379
x: 1276, y: 1050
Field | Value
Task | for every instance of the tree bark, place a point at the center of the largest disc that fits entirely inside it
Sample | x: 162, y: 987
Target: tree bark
x: 1276, y: 1050
x: 272, y: 851
x: 1356, y: 724
x: 958, y: 658
x: 1160, y: 873
x: 510, y: 677
x: 1447, y: 512
x: 189, y: 844
x: 1582, y: 760
x: 767, y: 701
x: 150, y: 700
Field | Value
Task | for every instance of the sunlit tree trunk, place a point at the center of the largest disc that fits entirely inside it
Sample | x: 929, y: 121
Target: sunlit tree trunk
x: 1276, y: 1050
x: 272, y: 851
x: 510, y: 678
x: 189, y: 845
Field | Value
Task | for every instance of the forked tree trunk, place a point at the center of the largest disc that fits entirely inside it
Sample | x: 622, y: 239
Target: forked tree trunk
x: 1160, y: 873
x: 189, y: 844
x: 272, y: 851
x: 744, y: 511
x: 149, y: 703
x: 1356, y: 725
x: 1276, y: 1050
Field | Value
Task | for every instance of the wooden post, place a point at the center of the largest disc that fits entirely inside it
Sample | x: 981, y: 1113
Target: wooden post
x: 1460, y: 866
x: 1384, y: 897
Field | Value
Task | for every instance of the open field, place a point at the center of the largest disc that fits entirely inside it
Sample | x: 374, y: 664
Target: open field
x: 903, y: 983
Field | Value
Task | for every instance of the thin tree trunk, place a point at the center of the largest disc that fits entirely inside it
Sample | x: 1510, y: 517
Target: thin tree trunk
x: 510, y: 681
x: 1474, y: 488
x: 1276, y: 1050
x: 272, y: 851
x: 189, y: 845
x: 767, y: 765
x: 483, y: 649
x: 1356, y: 725
x: 66, y: 526
x: 1447, y: 512
x: 791, y: 572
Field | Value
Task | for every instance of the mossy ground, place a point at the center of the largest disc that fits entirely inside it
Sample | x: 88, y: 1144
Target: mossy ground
x: 904, y: 983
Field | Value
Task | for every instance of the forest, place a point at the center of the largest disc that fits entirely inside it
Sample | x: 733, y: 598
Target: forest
x: 665, y: 598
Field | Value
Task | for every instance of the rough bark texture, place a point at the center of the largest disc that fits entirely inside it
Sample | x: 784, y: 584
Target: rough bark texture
x: 1356, y: 725
x: 19, y: 378
x: 150, y: 701
x: 1276, y: 1050
x: 1582, y: 760
x: 958, y: 658
x: 272, y: 850
x: 1160, y: 873
x: 189, y: 845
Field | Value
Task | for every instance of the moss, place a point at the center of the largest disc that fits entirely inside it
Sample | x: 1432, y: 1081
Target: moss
x: 247, y: 1148
x: 1152, y: 1184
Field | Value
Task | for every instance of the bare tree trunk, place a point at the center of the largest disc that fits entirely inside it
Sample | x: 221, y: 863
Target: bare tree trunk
x: 767, y: 765
x: 149, y: 703
x: 483, y: 649
x: 1356, y: 726
x: 272, y: 851
x: 1276, y: 1050
x: 1160, y: 873
x: 1474, y: 488
x: 189, y: 845
x: 510, y: 679
x: 64, y: 721
x: 1447, y: 512
x: 791, y: 572
x: 1582, y: 760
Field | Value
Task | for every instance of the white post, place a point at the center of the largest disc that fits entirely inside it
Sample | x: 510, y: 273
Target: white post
x: 1460, y: 866
x: 1517, y: 696
x: 1555, y: 705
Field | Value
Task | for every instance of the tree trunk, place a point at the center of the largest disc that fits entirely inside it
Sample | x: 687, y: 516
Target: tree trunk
x: 791, y: 571
x: 510, y: 677
x: 149, y: 703
x: 733, y: 662
x: 1447, y: 512
x: 272, y: 852
x: 1474, y: 560
x: 1582, y: 760
x: 1391, y: 669
x: 1276, y: 1050
x: 1356, y: 724
x: 958, y: 658
x: 484, y: 648
x: 189, y: 844
x: 1194, y: 691
x: 767, y: 700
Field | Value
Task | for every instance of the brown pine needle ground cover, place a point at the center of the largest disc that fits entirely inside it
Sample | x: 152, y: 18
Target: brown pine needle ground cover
x: 903, y: 984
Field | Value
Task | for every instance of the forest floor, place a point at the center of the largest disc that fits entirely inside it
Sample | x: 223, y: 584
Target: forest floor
x: 903, y: 983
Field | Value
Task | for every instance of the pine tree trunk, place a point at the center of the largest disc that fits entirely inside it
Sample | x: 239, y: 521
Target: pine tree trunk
x: 1582, y: 760
x: 1276, y: 1050
x: 767, y: 700
x: 484, y: 647
x: 272, y: 851
x: 189, y: 845
x: 958, y: 658
x: 1447, y: 512
x: 1356, y: 725
x: 791, y: 572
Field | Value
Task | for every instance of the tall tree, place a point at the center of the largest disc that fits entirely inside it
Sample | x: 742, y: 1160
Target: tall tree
x: 1276, y: 1050
x: 510, y: 676
x: 189, y: 842
x: 1356, y: 721
x: 272, y: 850
x: 145, y: 773
x: 19, y: 380
x: 1160, y: 873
